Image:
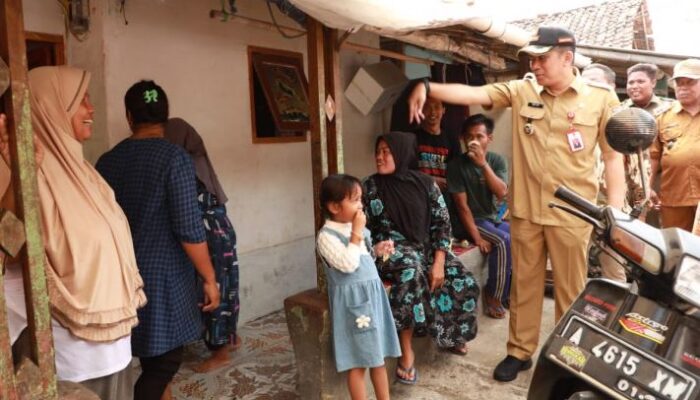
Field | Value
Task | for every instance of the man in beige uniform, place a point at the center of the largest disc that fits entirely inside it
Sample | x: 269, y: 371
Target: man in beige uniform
x: 641, y: 81
x: 674, y: 153
x: 558, y: 119
x: 599, y: 73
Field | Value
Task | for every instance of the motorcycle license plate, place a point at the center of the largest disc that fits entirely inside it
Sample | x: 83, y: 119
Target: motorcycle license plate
x: 616, y: 367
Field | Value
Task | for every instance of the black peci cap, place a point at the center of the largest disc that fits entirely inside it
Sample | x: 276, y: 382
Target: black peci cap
x: 547, y: 38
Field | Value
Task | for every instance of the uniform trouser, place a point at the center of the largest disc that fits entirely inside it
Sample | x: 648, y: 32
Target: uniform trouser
x: 531, y: 244
x: 678, y: 217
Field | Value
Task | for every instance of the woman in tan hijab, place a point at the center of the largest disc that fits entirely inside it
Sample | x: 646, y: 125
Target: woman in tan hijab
x: 93, y: 281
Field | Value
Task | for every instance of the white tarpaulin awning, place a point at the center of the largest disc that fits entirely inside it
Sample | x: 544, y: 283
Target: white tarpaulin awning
x: 392, y: 15
x: 399, y: 19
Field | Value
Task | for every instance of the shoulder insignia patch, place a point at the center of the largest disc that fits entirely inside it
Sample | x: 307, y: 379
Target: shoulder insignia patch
x: 619, y: 108
x: 665, y: 105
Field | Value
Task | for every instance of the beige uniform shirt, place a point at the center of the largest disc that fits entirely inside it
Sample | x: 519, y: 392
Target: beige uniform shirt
x: 543, y: 160
x: 677, y: 146
x: 656, y: 104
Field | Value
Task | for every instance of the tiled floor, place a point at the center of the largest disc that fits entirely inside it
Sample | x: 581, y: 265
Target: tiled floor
x: 262, y: 369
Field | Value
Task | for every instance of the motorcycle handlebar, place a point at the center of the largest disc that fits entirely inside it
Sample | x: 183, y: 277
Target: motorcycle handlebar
x: 578, y: 202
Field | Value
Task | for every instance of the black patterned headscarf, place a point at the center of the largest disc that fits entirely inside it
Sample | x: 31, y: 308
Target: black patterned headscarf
x: 405, y: 193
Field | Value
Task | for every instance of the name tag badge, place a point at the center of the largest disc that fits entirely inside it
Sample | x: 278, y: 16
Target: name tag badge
x: 575, y: 141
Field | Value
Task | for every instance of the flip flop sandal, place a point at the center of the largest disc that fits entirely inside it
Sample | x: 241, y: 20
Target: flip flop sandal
x: 493, y: 308
x: 462, y: 350
x: 496, y: 312
x: 406, y: 372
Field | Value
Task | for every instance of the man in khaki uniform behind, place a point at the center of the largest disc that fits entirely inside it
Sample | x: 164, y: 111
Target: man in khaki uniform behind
x: 641, y: 81
x: 558, y: 119
x: 674, y: 153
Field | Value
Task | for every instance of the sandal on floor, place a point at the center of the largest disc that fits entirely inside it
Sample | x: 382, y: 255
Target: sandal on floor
x: 493, y: 307
x: 460, y: 350
x: 406, y: 372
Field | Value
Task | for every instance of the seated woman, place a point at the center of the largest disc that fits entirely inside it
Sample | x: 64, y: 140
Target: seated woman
x: 93, y: 281
x: 431, y: 291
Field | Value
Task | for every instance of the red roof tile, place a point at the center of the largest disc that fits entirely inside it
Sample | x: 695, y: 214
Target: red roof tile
x: 610, y: 24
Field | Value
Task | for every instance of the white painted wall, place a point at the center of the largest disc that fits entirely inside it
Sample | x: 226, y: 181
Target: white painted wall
x: 360, y: 132
x: 45, y: 16
x: 503, y: 121
x: 202, y: 65
x: 502, y: 133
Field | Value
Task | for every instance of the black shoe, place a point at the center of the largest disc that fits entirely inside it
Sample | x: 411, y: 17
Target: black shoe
x: 507, y: 370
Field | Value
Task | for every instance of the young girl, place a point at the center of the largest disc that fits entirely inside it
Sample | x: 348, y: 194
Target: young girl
x: 363, y: 327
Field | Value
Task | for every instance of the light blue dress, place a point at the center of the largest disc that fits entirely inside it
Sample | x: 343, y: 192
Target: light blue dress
x: 364, y: 332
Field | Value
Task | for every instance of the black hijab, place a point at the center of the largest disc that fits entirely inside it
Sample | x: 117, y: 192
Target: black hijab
x: 405, y: 193
x: 179, y: 132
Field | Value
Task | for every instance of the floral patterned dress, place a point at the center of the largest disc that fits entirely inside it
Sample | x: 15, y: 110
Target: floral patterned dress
x: 448, y: 313
x: 222, y: 323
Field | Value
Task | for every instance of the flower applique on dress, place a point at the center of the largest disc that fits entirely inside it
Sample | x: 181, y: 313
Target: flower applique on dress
x: 363, y: 321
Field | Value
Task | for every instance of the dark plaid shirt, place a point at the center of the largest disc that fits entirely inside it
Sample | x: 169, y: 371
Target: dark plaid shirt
x: 154, y: 182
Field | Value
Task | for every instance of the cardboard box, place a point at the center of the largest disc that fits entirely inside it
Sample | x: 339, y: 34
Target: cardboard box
x: 376, y: 87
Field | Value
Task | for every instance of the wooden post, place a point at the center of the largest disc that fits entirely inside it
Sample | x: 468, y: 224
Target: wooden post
x: 334, y: 128
x: 326, y: 134
x: 16, y: 101
x: 307, y: 313
x: 317, y: 98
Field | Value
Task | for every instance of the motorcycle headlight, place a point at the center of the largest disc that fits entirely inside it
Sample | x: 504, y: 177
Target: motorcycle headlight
x: 687, y: 285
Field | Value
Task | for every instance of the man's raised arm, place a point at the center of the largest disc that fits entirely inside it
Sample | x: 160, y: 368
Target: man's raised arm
x: 453, y: 93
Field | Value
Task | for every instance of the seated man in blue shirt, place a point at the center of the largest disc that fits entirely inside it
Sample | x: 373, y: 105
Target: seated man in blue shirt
x: 477, y: 181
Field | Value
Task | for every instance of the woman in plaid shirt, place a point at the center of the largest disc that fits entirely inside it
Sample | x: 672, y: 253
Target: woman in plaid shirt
x: 154, y: 182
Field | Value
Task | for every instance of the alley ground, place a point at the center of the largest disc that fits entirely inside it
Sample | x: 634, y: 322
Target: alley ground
x: 263, y: 369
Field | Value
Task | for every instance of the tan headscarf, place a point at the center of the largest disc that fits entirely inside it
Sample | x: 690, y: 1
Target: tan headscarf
x: 94, y: 283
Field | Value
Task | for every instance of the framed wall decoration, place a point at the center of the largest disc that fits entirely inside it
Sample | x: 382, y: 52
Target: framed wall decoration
x: 279, y: 98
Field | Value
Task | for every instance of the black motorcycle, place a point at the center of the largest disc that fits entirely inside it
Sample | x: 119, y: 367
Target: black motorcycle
x: 636, y: 341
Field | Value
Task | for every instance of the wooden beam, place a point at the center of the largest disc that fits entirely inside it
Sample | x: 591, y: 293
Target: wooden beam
x: 444, y: 43
x: 317, y: 125
x: 343, y: 38
x: 385, y: 53
x: 644, y: 16
x: 334, y: 127
x: 16, y: 101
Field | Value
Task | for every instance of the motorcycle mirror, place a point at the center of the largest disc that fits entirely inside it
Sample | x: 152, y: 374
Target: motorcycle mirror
x: 630, y: 130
